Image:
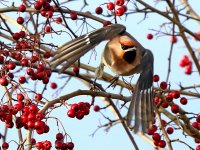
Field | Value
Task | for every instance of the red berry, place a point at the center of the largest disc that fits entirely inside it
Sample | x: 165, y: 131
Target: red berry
x: 156, y: 100
x: 46, y: 6
x: 1, y: 59
x: 33, y: 141
x: 38, y: 97
x: 53, y: 85
x: 48, y: 29
x: 47, y: 54
x: 156, y: 143
x: 124, y: 8
x: 188, y: 69
x: 49, y: 14
x: 73, y: 15
x: 39, y: 116
x: 198, y: 119
x: 39, y: 124
x: 24, y: 62
x: 197, y: 36
x: 47, y: 145
x: 20, y: 97
x: 16, y: 36
x: 11, y: 65
x: 46, y: 129
x: 164, y: 105
x: 75, y: 107
x: 22, y: 8
x: 198, y: 147
x: 76, y: 69
x: 30, y: 71
x: 59, y: 145
x: 119, y: 2
x: 37, y: 5
x: 173, y: 39
x: 175, y: 108
x: 45, y: 80
x: 3, y: 81
x: 149, y: 36
x: 22, y: 35
x: 43, y: 1
x: 110, y: 6
x: 96, y: 108
x: 169, y: 97
x: 163, y: 85
x: 184, y: 61
x: 99, y: 10
x: 70, y: 145
x: 86, y: 111
x: 33, y: 108
x: 71, y: 113
x: 170, y: 130
x: 31, y: 117
x: 11, y: 75
x: 150, y: 131
x: 80, y: 114
x: 183, y: 100
x: 175, y: 94
x: 22, y: 79
x: 162, y: 143
x: 5, y: 145
x: 119, y: 11
x: 156, y: 137
x: 43, y: 12
x: 164, y: 123
x: 6, y: 53
x: 58, y: 20
x: 59, y: 136
x: 39, y: 145
x: 20, y: 20
x: 34, y: 59
x: 106, y: 23
x: 195, y: 125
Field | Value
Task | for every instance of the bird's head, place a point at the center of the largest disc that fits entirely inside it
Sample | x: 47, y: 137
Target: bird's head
x: 129, y: 46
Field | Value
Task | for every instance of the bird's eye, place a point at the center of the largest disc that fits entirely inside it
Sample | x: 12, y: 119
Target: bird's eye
x: 125, y: 47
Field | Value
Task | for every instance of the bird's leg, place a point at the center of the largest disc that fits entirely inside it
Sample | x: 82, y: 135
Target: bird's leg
x: 94, y: 83
x: 113, y: 81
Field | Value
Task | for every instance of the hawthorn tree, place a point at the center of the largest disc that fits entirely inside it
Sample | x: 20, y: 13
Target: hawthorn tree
x: 31, y: 32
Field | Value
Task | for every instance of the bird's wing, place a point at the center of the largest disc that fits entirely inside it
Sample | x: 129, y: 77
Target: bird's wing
x: 73, y: 50
x: 140, y: 113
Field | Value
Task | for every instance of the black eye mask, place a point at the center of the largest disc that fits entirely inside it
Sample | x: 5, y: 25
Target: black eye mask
x: 125, y: 47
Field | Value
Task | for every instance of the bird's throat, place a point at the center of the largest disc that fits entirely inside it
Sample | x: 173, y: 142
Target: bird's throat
x: 129, y: 56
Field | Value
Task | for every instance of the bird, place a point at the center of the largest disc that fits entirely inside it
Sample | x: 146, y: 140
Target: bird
x: 124, y: 56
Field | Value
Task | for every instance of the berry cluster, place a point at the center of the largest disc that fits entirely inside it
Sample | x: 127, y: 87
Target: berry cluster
x: 41, y: 73
x: 153, y: 131
x: 79, y: 110
x: 187, y: 64
x: 28, y: 116
x: 169, y: 97
x: 59, y: 144
x: 46, y: 145
x: 117, y: 8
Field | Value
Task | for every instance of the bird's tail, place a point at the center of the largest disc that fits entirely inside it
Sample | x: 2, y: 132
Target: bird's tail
x: 140, y: 113
x: 73, y: 50
x: 141, y: 110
